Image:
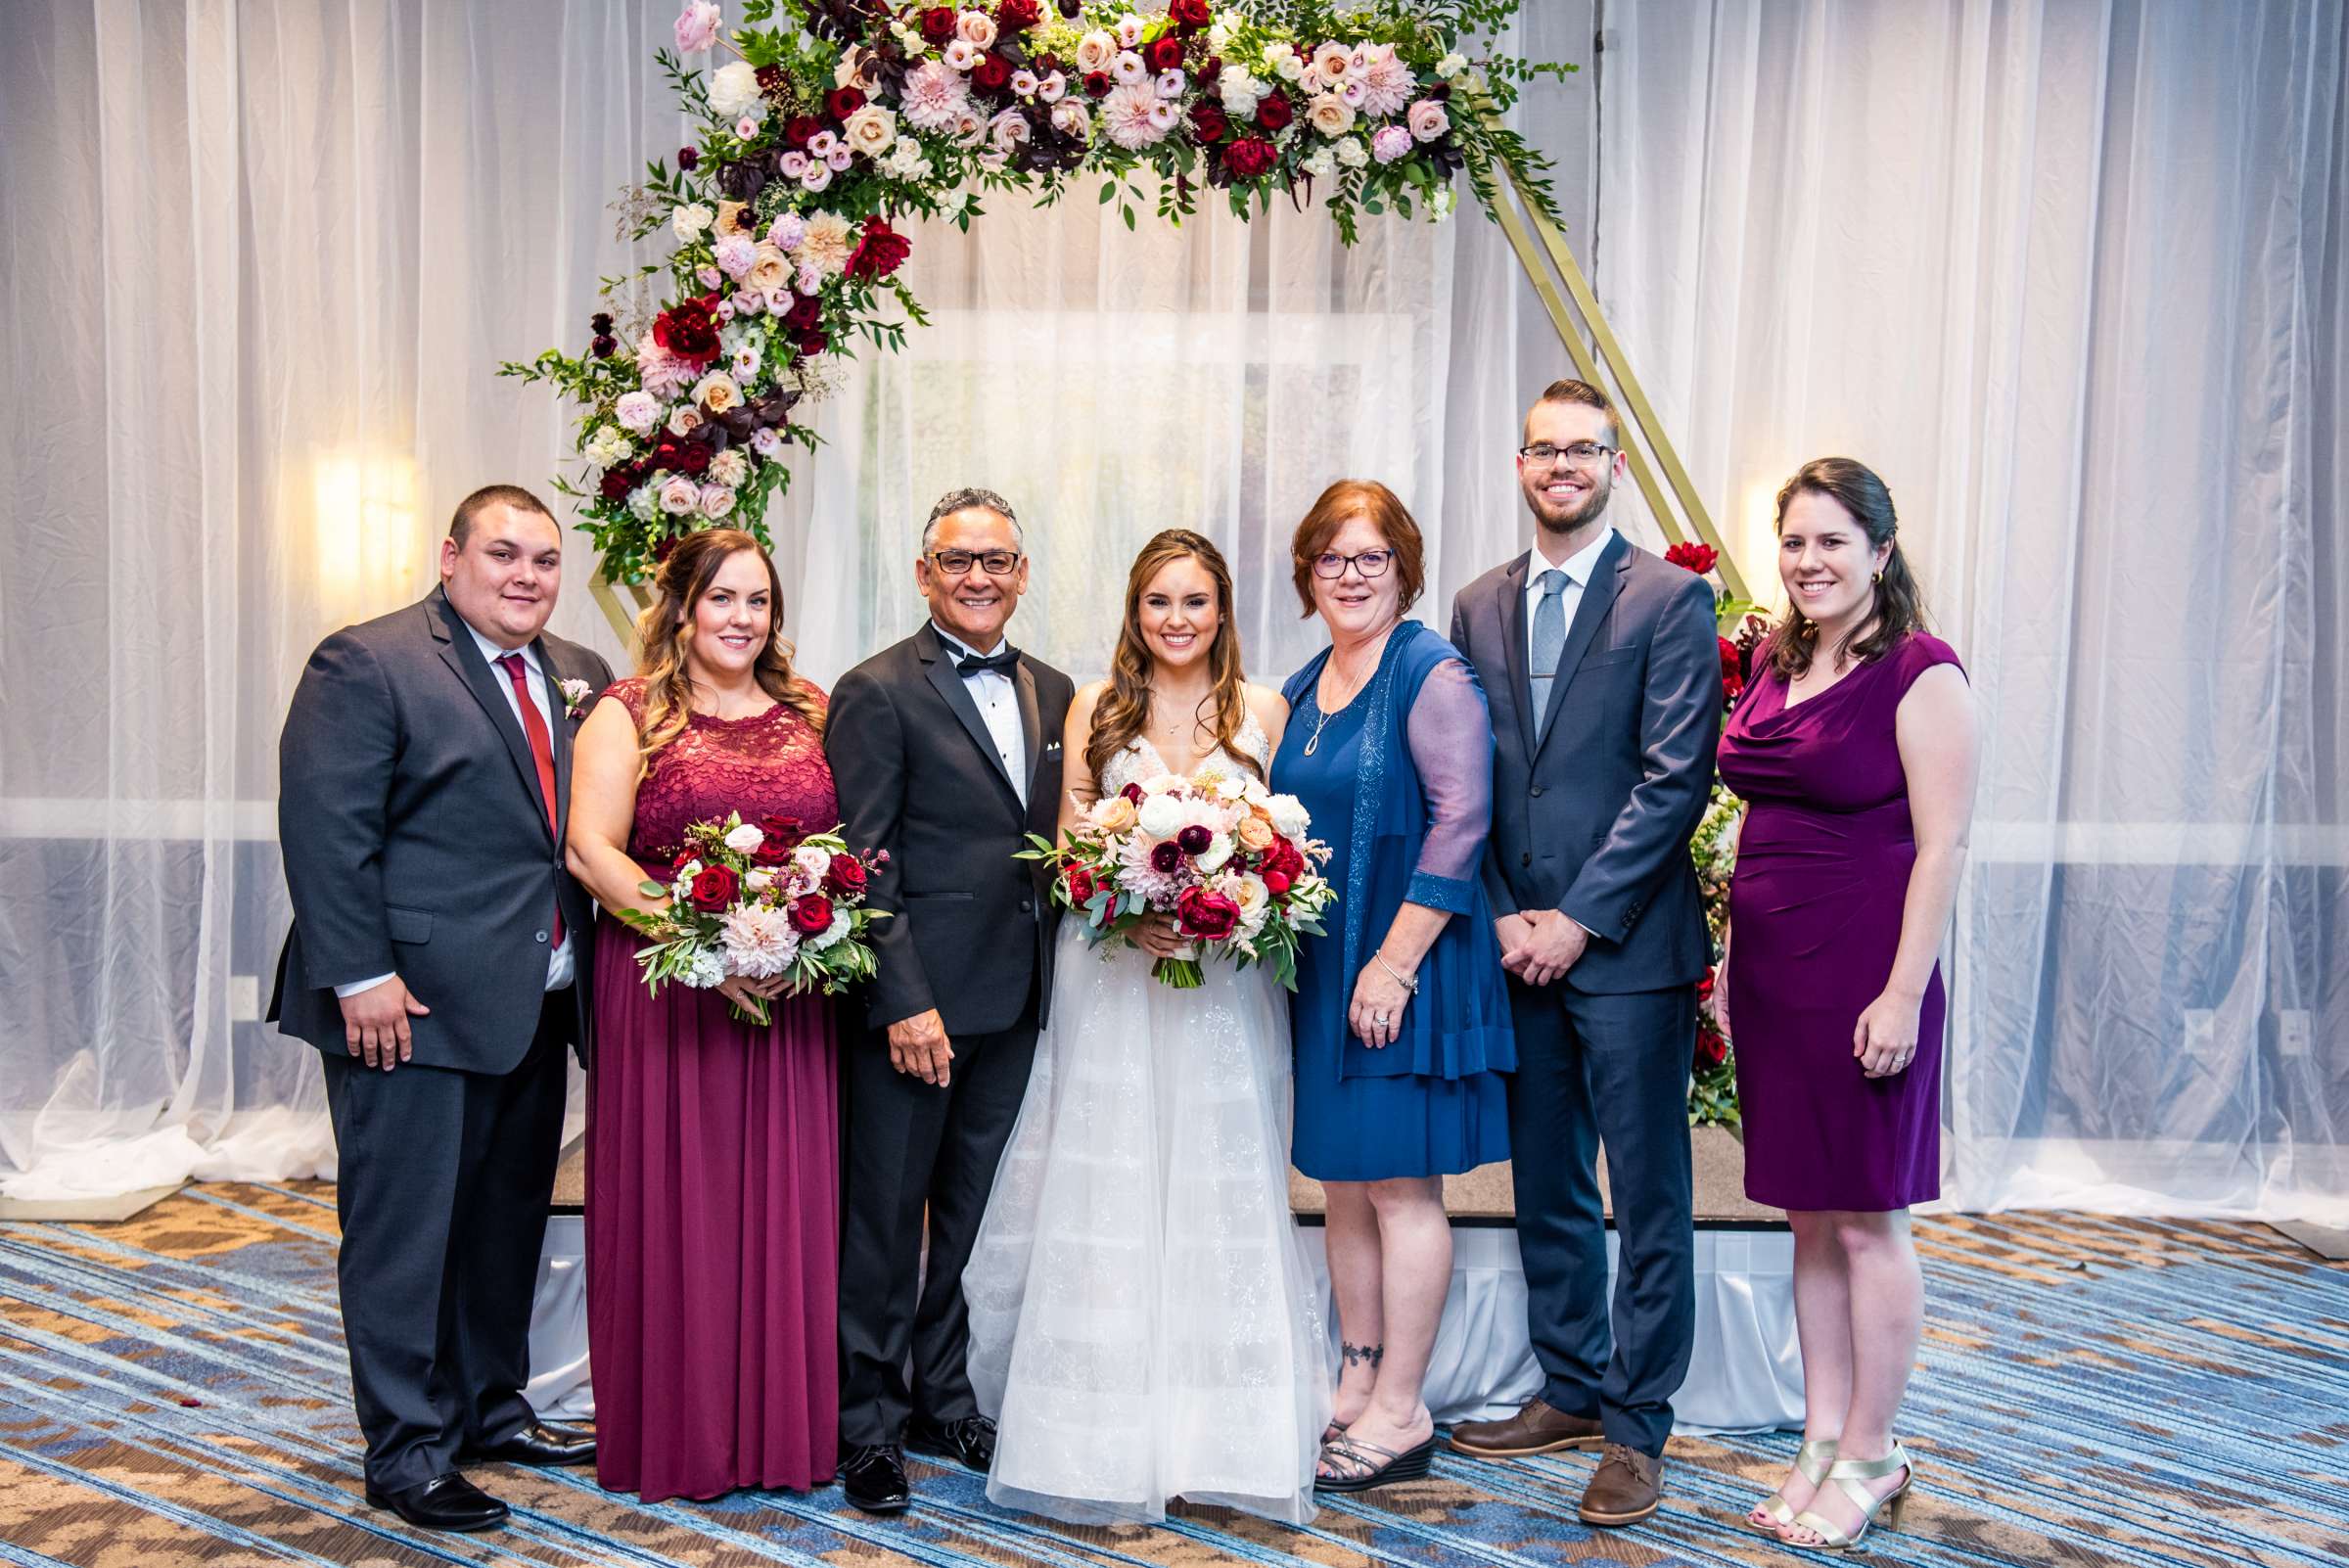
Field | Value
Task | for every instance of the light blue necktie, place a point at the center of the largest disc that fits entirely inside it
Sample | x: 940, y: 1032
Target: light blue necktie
x: 1549, y: 641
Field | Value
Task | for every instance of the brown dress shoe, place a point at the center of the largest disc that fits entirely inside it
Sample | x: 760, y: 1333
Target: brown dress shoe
x: 1627, y: 1487
x: 1536, y: 1428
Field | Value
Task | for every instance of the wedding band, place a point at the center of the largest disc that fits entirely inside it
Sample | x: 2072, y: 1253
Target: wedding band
x: 1378, y: 1018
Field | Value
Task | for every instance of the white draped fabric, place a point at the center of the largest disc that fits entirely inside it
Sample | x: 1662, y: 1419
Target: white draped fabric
x: 2071, y: 277
x: 2069, y: 273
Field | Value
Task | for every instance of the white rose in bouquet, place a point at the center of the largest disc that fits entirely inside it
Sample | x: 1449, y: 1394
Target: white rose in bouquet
x: 744, y: 837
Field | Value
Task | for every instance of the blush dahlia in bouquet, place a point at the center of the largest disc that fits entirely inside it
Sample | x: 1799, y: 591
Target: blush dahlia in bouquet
x: 1227, y: 860
x: 762, y: 900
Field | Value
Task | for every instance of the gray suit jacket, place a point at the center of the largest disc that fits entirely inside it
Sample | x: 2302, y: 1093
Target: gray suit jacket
x: 1595, y: 820
x: 416, y: 839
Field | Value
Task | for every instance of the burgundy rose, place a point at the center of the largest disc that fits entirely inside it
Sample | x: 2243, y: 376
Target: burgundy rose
x: 882, y: 250
x: 801, y: 129
x: 841, y: 102
x: 618, y: 482
x: 1209, y: 917
x: 1166, y: 856
x: 992, y: 75
x: 779, y: 835
x: 1195, y: 839
x: 1163, y: 54
x: 1250, y: 157
x: 1275, y: 111
x: 806, y: 314
x: 714, y: 889
x: 1082, y: 886
x: 1018, y: 16
x: 1190, y: 15
x: 1209, y: 123
x: 694, y: 459
x: 688, y: 330
x: 811, y: 914
x: 1732, y: 671
x: 846, y: 878
x: 937, y: 24
x: 1697, y: 558
x: 1096, y: 83
x: 812, y: 344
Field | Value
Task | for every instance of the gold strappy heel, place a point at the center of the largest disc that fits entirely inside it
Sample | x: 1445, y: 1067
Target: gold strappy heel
x: 1848, y: 1474
x: 1812, y: 1464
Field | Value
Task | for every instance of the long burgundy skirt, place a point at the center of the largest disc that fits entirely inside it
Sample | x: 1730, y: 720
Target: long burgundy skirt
x: 713, y: 1238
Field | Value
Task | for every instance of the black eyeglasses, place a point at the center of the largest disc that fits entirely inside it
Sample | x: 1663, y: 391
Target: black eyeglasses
x: 994, y: 562
x: 1369, y: 563
x: 1582, y: 454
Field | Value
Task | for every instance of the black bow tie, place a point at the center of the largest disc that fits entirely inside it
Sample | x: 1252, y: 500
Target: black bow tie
x: 1000, y: 661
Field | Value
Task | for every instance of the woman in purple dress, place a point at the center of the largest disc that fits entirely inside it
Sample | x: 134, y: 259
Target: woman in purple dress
x: 1854, y: 748
x: 712, y: 1144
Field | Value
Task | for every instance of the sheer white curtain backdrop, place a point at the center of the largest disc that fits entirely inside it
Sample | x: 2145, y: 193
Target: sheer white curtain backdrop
x: 2070, y: 275
x: 262, y: 262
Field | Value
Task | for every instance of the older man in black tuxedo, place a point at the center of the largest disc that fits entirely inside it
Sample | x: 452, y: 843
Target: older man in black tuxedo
x: 438, y: 961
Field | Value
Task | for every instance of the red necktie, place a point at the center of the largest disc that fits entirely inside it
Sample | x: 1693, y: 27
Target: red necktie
x: 542, y: 752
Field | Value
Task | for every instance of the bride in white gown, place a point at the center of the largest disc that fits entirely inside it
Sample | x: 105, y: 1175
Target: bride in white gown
x: 1143, y: 1322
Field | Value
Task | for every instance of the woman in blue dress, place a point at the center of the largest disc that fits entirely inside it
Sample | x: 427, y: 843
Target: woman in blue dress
x: 1401, y: 1016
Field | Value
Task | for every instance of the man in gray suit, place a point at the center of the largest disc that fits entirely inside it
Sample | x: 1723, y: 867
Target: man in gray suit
x: 1605, y: 669
x: 438, y: 961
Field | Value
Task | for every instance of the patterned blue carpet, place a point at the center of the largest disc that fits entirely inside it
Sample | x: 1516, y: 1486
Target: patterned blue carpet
x: 173, y: 1391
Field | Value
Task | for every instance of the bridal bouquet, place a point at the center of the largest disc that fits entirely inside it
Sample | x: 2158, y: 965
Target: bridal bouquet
x: 1228, y: 858
x: 759, y: 899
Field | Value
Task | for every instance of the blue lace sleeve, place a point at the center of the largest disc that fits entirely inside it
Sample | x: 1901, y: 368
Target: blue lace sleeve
x: 1450, y: 734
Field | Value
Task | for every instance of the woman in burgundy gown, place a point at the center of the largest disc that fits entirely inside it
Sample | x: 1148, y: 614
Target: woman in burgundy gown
x: 1854, y: 748
x: 712, y: 1149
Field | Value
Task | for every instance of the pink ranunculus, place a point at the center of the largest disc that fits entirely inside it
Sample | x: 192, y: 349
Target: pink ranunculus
x: 697, y: 27
x: 1391, y: 143
x: 788, y: 231
x: 735, y: 252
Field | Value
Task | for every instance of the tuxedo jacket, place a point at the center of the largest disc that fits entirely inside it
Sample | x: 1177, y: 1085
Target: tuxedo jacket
x: 1594, y: 817
x: 971, y: 928
x: 416, y: 839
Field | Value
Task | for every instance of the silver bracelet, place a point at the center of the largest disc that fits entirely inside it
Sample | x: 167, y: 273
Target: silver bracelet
x: 1411, y: 985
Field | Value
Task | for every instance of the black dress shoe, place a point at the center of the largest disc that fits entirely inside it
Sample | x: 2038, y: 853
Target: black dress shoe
x: 444, y: 1502
x: 873, y: 1475
x: 538, y: 1444
x: 971, y: 1439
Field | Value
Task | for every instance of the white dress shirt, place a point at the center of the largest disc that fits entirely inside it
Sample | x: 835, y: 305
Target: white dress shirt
x: 998, y: 703
x: 1577, y: 567
x: 559, y: 962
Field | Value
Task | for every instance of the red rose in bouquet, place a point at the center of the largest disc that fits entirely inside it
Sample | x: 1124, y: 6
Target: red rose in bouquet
x: 693, y: 457
x: 1163, y: 54
x: 846, y: 877
x: 1096, y: 83
x: 882, y: 250
x: 806, y: 314
x: 811, y: 914
x: 618, y: 482
x: 1732, y: 671
x: 1190, y: 15
x: 1209, y: 123
x: 1207, y: 916
x: 1250, y: 157
x: 714, y: 889
x: 992, y: 75
x: 801, y: 129
x: 781, y: 835
x: 841, y: 102
x: 1018, y: 16
x: 1275, y: 111
x: 937, y: 24
x: 688, y: 330
x: 1697, y: 558
x: 1082, y: 886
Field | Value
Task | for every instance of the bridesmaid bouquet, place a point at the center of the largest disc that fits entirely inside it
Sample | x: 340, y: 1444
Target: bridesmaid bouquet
x: 1231, y: 861
x: 759, y: 899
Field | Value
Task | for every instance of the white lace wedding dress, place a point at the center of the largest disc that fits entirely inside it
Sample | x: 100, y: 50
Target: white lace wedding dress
x: 1143, y: 1322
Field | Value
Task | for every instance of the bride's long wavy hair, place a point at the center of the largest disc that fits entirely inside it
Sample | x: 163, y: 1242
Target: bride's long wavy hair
x: 662, y: 632
x: 1125, y: 709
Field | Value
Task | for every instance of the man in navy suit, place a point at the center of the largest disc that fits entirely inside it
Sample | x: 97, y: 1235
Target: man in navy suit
x: 1605, y: 671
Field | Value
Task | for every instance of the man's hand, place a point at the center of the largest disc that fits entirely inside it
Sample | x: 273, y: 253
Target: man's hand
x: 1513, y: 931
x: 374, y: 1023
x: 1557, y: 944
x: 919, y: 1045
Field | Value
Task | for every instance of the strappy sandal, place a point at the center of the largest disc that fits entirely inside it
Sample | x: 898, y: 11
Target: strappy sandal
x: 1408, y: 1465
x: 1849, y: 1476
x: 1812, y: 1464
x: 1332, y: 1432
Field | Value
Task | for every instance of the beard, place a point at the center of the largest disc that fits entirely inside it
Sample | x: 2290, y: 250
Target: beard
x: 1566, y: 519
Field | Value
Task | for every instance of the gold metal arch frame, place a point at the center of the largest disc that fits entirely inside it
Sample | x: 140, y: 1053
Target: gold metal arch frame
x: 1598, y: 358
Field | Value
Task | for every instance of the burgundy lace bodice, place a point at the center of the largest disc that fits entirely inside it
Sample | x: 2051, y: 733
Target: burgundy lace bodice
x: 769, y: 765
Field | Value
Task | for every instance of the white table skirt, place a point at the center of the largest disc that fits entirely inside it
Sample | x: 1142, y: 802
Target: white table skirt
x: 1745, y: 1374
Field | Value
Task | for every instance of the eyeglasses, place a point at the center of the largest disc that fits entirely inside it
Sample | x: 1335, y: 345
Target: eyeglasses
x: 1582, y: 454
x: 994, y: 562
x: 1369, y: 563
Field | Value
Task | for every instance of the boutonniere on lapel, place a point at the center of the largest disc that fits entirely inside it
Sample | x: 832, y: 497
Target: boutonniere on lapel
x: 576, y: 697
